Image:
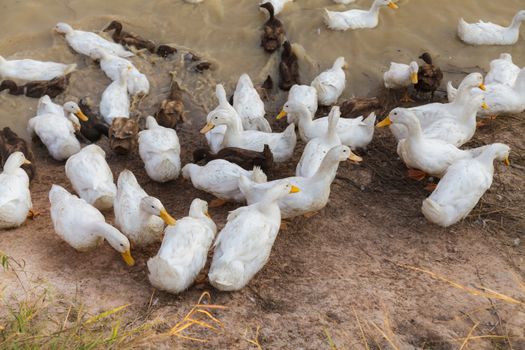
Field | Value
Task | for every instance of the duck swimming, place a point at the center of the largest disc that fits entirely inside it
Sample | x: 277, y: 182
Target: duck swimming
x: 356, y: 19
x: 128, y: 39
x: 28, y: 69
x: 86, y: 42
x: 37, y: 89
x: 273, y: 30
x: 487, y: 33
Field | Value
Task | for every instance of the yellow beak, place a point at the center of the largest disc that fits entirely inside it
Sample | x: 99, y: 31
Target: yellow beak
x: 80, y: 115
x: 484, y: 106
x: 128, y: 258
x: 482, y: 87
x: 207, y: 214
x: 355, y: 158
x: 384, y: 122
x: 392, y: 5
x: 168, y: 219
x: 207, y: 128
x: 506, y: 161
x: 26, y: 162
x: 294, y: 189
x: 281, y: 115
x: 413, y: 78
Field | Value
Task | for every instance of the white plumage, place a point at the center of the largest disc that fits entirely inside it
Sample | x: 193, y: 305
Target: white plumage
x: 487, y: 33
x: 356, y: 19
x: 115, y: 100
x: 15, y: 198
x: 249, y: 106
x: 28, y: 69
x: 330, y: 83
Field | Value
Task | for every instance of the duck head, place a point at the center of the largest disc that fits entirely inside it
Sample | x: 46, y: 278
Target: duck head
x: 73, y: 108
x: 153, y: 206
x: 63, y: 28
x: 413, y: 67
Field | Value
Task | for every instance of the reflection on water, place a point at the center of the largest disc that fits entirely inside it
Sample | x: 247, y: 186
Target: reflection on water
x: 227, y: 32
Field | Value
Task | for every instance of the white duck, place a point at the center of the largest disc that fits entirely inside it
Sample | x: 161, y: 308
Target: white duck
x: 344, y: 2
x: 56, y: 129
x: 28, y: 69
x: 215, y: 137
x: 487, y: 33
x: 159, y: 149
x: 249, y: 106
x: 502, y: 71
x: 278, y: 5
x: 355, y: 133
x: 423, y: 154
x: 115, y: 100
x: 330, y: 83
x: 317, y: 148
x: 462, y: 186
x: 139, y: 216
x: 91, y: 177
x: 243, y: 246
x: 15, y: 198
x: 356, y: 19
x: 315, y: 190
x: 46, y: 106
x: 112, y: 65
x: 220, y: 178
x: 502, y: 98
x: 184, y: 250
x: 401, y: 75
x: 304, y: 94
x: 462, y: 109
x: 85, y: 42
x: 82, y: 226
x: 281, y: 144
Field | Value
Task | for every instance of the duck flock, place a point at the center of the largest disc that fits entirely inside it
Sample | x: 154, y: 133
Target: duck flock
x: 242, y: 147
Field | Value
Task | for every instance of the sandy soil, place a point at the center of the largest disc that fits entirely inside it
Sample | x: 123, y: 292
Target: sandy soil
x: 345, y: 263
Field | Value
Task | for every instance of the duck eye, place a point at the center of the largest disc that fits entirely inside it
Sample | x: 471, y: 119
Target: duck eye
x: 122, y: 245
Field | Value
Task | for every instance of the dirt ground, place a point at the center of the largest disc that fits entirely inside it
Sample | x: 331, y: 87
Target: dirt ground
x: 339, y: 275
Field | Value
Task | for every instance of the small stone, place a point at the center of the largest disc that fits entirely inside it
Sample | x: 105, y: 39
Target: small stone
x: 516, y: 242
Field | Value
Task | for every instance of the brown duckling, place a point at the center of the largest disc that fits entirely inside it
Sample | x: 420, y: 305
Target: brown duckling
x: 428, y: 77
x: 171, y: 111
x: 37, y: 89
x: 123, y: 135
x: 94, y: 128
x: 265, y: 89
x: 273, y: 31
x: 10, y: 143
x: 128, y: 39
x: 246, y: 159
x: 358, y: 106
x: 288, y: 68
x: 165, y: 51
x: 12, y: 88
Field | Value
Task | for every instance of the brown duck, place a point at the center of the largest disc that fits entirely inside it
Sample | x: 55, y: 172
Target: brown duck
x: 129, y: 39
x: 94, y: 128
x: 10, y: 143
x: 288, y: 67
x: 273, y: 30
x: 171, y: 111
x: 165, y: 51
x: 246, y: 159
x: 37, y: 89
x: 123, y: 135
x: 428, y: 77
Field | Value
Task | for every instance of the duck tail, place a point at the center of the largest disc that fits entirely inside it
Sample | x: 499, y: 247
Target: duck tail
x: 126, y: 176
x: 451, y: 92
x: 151, y: 122
x: 70, y: 68
x: 370, y: 121
x: 258, y: 175
x: 435, y: 213
x: 227, y: 276
x: 57, y: 193
x: 165, y: 276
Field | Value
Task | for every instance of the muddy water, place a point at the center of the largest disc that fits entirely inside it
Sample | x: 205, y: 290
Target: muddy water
x: 227, y: 33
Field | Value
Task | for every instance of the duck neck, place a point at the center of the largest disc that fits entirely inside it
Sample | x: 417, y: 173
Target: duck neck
x: 232, y: 130
x: 108, y: 232
x: 327, y: 170
x: 11, y: 167
x: 304, y: 116
x: 374, y: 9
x: 413, y: 126
x: 516, y: 22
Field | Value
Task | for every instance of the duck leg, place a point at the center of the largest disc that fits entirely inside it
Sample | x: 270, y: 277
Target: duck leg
x: 217, y: 202
x: 406, y: 97
x: 310, y: 214
x: 417, y: 175
x: 430, y: 187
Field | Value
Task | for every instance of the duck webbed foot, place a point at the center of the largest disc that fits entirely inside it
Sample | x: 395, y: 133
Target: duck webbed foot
x: 217, y: 202
x: 32, y: 214
x: 416, y: 174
